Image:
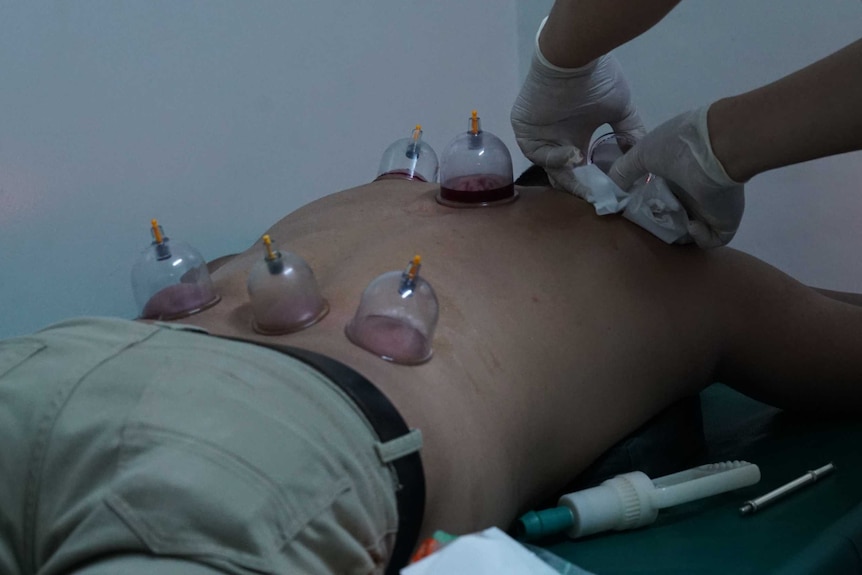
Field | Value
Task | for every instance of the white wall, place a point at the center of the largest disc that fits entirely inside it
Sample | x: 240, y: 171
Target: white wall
x: 805, y: 219
x: 217, y: 118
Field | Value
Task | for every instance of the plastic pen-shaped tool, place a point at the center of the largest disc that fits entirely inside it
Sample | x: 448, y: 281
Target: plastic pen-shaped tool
x: 633, y: 499
x: 786, y: 489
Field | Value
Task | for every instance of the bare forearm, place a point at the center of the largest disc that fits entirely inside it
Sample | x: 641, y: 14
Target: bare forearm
x: 809, y: 114
x: 579, y: 31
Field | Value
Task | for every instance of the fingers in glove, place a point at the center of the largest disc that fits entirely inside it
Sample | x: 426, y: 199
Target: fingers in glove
x: 551, y: 156
x: 631, y: 125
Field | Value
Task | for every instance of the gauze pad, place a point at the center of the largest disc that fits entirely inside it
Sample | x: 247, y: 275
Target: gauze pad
x: 649, y: 204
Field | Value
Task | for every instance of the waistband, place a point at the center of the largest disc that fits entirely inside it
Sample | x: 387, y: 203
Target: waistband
x: 398, y: 444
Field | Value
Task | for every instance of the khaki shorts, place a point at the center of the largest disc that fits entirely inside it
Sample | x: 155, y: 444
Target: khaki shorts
x: 134, y: 448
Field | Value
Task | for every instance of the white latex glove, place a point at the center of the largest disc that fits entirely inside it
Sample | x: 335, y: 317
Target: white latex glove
x: 680, y: 152
x: 558, y: 110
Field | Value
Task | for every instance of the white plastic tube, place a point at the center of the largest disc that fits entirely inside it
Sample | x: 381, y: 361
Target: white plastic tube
x: 633, y: 500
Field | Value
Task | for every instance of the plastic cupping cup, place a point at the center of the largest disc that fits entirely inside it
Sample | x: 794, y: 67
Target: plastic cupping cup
x: 410, y: 159
x: 395, y: 320
x: 284, y: 293
x: 476, y: 170
x: 607, y: 148
x: 170, y: 279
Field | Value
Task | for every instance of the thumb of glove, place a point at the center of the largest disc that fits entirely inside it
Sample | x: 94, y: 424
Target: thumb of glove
x: 629, y: 168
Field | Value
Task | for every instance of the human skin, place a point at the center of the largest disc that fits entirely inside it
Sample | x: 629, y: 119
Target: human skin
x: 809, y: 114
x: 579, y: 31
x: 559, y: 333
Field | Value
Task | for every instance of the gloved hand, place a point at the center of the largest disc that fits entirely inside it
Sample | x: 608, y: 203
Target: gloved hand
x: 680, y: 152
x: 558, y: 110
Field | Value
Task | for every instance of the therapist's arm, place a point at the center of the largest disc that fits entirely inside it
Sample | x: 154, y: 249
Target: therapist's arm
x: 579, y: 31
x: 809, y: 114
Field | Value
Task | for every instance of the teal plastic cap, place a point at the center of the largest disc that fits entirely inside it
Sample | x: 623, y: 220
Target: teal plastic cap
x: 538, y: 524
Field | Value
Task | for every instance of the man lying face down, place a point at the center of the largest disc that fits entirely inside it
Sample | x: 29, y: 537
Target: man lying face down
x: 135, y: 447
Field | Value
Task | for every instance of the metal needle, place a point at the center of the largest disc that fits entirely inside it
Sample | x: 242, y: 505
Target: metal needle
x: 786, y: 489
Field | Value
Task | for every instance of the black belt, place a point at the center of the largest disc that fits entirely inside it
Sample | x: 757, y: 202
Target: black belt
x: 388, y: 425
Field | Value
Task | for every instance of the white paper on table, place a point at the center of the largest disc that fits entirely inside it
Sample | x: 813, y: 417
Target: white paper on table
x: 488, y: 552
